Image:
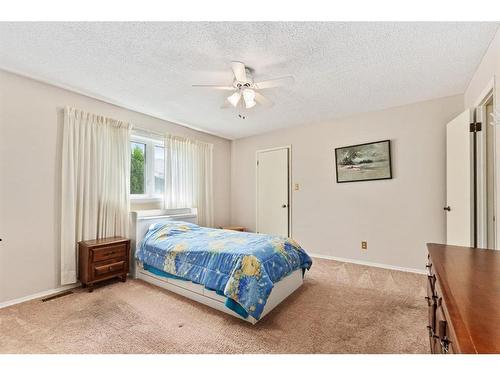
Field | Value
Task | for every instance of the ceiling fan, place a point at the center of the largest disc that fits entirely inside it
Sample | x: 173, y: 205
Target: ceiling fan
x: 245, y: 87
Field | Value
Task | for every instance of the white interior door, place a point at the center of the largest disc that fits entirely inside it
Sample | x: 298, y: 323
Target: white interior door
x: 273, y: 204
x: 458, y: 181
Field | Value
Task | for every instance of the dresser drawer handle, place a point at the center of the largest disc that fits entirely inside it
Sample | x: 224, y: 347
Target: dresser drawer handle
x: 431, y: 301
x: 445, y: 345
x: 431, y: 331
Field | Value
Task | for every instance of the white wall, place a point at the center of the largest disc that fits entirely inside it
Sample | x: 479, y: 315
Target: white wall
x: 30, y: 137
x: 397, y: 217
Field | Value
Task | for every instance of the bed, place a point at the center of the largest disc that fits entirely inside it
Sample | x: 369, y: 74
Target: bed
x: 243, y: 274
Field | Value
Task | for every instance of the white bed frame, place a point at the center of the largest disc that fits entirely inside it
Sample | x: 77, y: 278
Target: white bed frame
x: 139, y: 224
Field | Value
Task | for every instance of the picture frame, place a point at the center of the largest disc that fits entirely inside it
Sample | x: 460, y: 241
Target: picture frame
x: 364, y: 162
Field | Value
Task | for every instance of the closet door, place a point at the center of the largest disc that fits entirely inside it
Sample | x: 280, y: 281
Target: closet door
x: 459, y: 199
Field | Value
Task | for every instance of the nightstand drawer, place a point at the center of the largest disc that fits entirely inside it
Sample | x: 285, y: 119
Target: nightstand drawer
x: 108, y: 252
x: 109, y: 269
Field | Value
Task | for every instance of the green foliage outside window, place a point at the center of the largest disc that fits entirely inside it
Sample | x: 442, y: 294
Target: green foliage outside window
x: 137, y: 171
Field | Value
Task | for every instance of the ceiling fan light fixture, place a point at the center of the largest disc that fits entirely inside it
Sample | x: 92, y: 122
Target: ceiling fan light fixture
x: 249, y: 98
x: 234, y: 98
x: 250, y: 104
x: 245, y: 86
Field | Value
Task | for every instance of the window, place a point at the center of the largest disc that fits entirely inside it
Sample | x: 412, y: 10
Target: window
x: 147, y: 168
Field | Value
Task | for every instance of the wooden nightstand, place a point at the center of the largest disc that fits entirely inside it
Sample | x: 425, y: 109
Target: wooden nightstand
x: 103, y: 259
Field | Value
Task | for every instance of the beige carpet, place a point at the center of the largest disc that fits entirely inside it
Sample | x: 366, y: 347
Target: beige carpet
x: 341, y: 308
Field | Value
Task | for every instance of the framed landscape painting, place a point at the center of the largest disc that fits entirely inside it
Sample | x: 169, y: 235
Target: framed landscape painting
x: 364, y: 162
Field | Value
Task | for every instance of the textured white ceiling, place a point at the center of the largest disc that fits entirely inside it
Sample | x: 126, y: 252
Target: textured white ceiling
x: 339, y: 68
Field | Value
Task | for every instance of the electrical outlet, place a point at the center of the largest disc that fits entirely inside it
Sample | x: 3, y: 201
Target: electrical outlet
x: 296, y: 187
x: 364, y: 245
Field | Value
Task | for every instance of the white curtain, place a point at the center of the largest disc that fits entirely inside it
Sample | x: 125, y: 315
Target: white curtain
x: 188, y: 176
x: 95, y: 183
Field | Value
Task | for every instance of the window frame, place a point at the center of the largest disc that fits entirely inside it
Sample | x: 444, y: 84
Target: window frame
x: 149, y: 160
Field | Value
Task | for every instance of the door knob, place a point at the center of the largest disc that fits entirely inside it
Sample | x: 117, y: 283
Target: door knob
x: 283, y: 206
x: 447, y: 208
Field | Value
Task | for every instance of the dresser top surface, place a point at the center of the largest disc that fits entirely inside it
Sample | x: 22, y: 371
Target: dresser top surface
x: 470, y: 283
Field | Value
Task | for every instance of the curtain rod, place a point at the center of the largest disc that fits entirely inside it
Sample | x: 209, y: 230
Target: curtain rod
x: 163, y: 135
x: 134, y: 128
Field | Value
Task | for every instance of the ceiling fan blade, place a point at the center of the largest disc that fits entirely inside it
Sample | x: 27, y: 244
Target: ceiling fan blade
x: 239, y: 71
x: 261, y: 99
x: 216, y: 87
x: 281, y: 81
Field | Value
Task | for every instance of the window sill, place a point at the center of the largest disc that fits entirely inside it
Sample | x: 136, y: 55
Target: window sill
x: 146, y: 200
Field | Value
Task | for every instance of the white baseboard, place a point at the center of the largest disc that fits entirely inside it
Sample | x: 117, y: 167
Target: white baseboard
x: 38, y: 295
x: 370, y: 264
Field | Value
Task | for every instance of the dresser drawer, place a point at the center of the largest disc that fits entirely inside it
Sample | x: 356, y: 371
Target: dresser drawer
x: 431, y: 286
x: 428, y: 266
x: 431, y: 309
x: 108, y: 269
x: 109, y: 252
x: 443, y: 333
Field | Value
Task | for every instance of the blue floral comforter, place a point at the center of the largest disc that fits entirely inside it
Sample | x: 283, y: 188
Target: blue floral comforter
x: 241, y: 266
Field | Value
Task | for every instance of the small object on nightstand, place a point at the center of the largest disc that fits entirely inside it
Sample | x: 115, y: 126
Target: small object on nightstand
x: 238, y: 229
x: 103, y: 259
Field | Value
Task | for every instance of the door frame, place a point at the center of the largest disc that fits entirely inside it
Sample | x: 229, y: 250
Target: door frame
x: 290, y: 205
x: 480, y: 113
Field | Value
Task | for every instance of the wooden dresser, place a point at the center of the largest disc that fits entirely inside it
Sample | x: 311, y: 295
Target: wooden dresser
x: 463, y: 295
x: 103, y: 259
